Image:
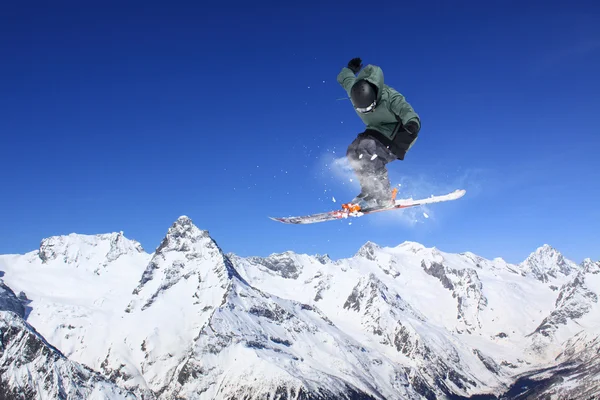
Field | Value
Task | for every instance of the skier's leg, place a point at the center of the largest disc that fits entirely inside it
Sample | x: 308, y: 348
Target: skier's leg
x: 369, y: 157
x: 355, y: 160
x: 376, y: 157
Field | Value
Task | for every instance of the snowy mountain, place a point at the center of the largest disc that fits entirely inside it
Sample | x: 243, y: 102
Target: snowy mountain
x: 404, y: 322
x: 547, y: 264
x: 10, y: 302
x: 87, y: 251
x: 30, y: 368
x: 575, y: 375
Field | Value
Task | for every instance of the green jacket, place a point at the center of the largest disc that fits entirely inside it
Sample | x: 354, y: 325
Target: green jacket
x: 390, y: 103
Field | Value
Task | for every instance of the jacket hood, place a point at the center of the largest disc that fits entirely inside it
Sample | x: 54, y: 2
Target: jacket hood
x: 374, y: 75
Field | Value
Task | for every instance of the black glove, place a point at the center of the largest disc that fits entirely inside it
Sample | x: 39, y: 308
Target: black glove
x: 355, y: 65
x: 412, y: 127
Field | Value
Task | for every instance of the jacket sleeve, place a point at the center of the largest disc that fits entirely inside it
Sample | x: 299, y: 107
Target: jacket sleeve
x: 346, y: 78
x: 400, y: 107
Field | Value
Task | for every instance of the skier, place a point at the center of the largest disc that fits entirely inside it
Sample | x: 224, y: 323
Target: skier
x: 392, y: 128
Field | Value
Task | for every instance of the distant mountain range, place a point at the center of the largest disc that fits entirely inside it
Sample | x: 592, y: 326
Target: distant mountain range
x: 98, y: 317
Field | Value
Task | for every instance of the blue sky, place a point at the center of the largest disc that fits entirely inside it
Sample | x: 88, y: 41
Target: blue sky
x: 124, y: 117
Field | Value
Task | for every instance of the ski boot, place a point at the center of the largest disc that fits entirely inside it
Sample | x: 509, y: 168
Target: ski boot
x: 368, y: 202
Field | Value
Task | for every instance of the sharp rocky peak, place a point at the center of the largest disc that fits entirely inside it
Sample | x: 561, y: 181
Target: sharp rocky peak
x: 368, y: 251
x: 185, y: 252
x: 546, y: 263
x: 590, y: 267
x: 182, y: 236
x: 546, y: 249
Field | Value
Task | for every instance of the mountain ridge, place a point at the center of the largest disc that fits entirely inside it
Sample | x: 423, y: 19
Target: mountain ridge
x: 414, y: 302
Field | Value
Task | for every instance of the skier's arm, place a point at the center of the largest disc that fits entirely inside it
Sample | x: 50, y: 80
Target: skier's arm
x: 400, y: 107
x: 346, y: 78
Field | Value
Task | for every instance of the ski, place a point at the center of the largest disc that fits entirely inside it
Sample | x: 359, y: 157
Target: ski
x: 351, y: 211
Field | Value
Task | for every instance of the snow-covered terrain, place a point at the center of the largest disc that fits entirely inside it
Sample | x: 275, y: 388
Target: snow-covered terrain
x: 31, y: 368
x: 404, y: 322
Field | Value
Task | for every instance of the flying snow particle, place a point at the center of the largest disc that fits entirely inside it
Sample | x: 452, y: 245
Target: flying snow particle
x: 333, y: 199
x: 360, y: 156
x: 425, y: 215
x: 373, y: 157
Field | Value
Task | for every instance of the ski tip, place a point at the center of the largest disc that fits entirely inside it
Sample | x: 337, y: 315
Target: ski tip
x: 284, y: 220
x: 287, y: 221
x: 457, y: 194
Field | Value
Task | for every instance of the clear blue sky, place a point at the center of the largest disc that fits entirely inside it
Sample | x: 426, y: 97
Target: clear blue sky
x: 125, y: 115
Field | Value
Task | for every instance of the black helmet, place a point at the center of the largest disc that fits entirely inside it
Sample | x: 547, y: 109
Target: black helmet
x: 364, y: 95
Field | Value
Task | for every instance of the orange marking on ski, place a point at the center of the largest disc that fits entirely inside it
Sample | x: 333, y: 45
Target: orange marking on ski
x: 350, y: 208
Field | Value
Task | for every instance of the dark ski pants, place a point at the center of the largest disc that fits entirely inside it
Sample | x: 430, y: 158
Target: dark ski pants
x: 368, y: 157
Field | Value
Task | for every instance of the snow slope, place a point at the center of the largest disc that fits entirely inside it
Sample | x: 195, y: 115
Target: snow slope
x: 190, y: 321
x: 30, y: 368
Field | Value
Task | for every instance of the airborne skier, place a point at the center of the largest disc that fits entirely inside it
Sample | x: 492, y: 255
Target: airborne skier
x: 392, y: 126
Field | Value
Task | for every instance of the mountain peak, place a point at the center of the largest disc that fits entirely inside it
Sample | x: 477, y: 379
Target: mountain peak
x: 77, y: 248
x: 368, y: 250
x: 182, y: 224
x: 547, y: 262
x: 546, y: 249
x: 412, y: 247
x: 590, y: 267
x: 184, y: 252
x: 184, y: 219
x: 181, y: 236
